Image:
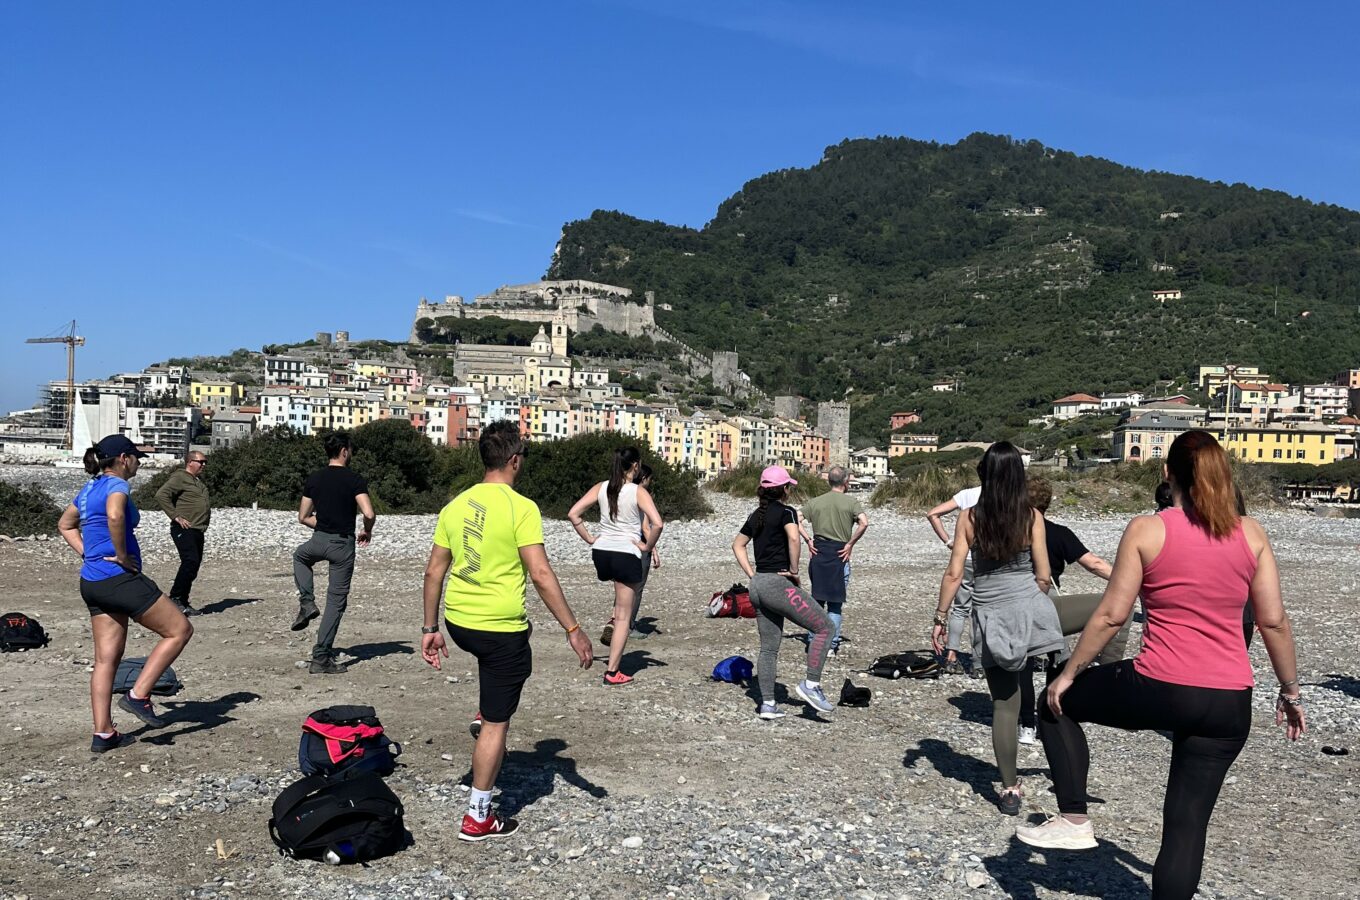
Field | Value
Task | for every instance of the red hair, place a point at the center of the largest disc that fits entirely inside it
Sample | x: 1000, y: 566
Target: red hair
x: 1200, y: 467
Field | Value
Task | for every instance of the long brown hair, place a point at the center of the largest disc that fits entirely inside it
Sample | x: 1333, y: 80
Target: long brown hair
x: 1002, y: 517
x: 624, y: 459
x: 1200, y: 468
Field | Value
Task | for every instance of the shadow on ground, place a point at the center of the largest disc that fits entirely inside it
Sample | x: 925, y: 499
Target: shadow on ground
x: 1109, y: 871
x: 363, y: 652
x: 530, y: 775
x: 226, y: 603
x: 977, y: 774
x: 198, y: 715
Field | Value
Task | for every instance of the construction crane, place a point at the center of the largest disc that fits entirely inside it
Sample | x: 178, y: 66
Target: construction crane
x: 72, y: 341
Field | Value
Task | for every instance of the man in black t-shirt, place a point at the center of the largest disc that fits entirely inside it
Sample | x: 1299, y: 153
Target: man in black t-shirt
x: 330, y: 500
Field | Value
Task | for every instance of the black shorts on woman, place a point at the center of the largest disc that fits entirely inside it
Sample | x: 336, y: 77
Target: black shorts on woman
x: 615, y: 565
x: 129, y: 594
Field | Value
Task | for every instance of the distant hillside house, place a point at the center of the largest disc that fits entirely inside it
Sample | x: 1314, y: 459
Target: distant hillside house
x: 1147, y: 436
x: 902, y: 444
x: 1163, y: 296
x: 943, y: 387
x: 1074, y: 405
x: 903, y: 419
x: 1121, y: 401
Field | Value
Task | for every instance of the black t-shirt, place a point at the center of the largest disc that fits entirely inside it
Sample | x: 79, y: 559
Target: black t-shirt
x: 771, y: 544
x: 332, y: 491
x: 1064, y: 548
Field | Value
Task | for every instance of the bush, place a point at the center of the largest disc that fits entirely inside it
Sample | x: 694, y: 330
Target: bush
x: 744, y: 481
x: 27, y: 510
x: 925, y: 486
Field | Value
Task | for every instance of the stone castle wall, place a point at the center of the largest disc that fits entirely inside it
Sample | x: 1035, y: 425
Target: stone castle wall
x: 582, y: 304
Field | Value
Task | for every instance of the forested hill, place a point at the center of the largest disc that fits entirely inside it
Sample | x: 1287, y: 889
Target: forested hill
x: 895, y: 263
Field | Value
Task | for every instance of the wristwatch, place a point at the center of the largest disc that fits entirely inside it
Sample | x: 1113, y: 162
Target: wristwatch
x: 433, y: 629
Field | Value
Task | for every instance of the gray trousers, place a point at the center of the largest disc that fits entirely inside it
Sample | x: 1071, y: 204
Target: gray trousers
x: 962, y: 610
x: 338, y: 550
x: 776, y: 599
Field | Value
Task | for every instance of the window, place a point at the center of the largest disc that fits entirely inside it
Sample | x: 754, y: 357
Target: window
x: 1277, y: 452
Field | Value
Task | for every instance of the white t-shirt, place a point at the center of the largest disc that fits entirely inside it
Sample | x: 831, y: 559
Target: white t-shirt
x: 618, y: 534
x: 968, y: 497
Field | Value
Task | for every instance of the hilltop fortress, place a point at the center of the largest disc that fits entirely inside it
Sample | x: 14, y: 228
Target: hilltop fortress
x: 581, y: 305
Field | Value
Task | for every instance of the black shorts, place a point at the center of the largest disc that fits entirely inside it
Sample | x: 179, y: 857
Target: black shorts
x: 129, y: 594
x: 615, y: 565
x: 504, y: 663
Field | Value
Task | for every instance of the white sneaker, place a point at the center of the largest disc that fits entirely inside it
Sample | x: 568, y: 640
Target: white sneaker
x: 1058, y: 834
x: 769, y: 711
x: 1027, y: 735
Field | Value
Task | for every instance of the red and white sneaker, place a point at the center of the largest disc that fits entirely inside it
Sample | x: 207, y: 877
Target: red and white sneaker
x: 475, y: 726
x: 618, y: 678
x: 493, y: 827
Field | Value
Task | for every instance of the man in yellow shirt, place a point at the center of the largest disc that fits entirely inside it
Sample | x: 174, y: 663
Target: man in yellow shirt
x: 487, y: 539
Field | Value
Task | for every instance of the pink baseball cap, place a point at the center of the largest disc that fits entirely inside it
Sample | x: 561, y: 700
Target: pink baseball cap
x: 774, y: 476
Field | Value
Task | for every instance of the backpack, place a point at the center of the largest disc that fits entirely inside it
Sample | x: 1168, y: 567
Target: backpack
x: 339, y: 738
x: 909, y: 664
x: 129, y: 670
x: 351, y: 816
x: 854, y: 695
x: 733, y: 670
x: 20, y: 632
x: 732, y: 603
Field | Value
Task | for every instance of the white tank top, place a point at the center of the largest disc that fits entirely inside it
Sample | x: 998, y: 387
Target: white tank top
x: 619, y: 534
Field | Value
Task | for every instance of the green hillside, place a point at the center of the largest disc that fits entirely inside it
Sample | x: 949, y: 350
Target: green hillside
x: 935, y: 275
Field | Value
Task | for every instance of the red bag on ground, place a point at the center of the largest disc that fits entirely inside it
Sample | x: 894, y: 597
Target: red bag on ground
x: 732, y: 603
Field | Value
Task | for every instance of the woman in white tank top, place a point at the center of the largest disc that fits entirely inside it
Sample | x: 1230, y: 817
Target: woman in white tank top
x: 617, y: 550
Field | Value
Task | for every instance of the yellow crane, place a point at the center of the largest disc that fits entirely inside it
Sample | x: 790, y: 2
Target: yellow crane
x: 72, y: 341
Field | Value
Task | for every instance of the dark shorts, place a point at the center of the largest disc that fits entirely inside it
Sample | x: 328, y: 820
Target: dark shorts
x: 129, y: 594
x: 504, y: 663
x: 614, y: 565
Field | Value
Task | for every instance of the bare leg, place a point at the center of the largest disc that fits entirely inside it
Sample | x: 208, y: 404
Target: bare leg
x: 623, y: 613
x: 165, y: 619
x: 488, y: 754
x: 110, y: 638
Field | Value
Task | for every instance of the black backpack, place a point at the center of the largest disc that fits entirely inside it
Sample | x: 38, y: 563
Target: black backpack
x: 910, y: 664
x: 129, y: 670
x: 21, y: 632
x: 338, y: 738
x: 351, y: 816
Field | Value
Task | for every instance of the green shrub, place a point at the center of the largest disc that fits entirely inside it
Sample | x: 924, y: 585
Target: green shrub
x: 27, y: 510
x: 925, y: 486
x: 744, y: 481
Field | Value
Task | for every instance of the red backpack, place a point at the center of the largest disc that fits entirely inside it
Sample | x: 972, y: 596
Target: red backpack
x: 732, y: 603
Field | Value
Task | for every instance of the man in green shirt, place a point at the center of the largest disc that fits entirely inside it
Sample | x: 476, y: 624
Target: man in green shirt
x: 838, y: 522
x: 487, y: 540
x: 184, y: 498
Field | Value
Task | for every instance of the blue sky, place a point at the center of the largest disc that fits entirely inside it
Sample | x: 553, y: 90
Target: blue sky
x: 188, y: 178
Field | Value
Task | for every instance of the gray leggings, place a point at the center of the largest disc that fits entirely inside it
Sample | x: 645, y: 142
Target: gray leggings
x: 776, y: 599
x: 1013, y: 692
x: 962, y: 609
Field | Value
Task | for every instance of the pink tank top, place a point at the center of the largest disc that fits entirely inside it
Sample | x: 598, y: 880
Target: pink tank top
x: 1193, y: 593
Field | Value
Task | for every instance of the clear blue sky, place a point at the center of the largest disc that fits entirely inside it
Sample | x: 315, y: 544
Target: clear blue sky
x: 188, y: 178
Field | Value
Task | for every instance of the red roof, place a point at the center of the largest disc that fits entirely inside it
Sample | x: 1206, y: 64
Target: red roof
x: 1078, y: 398
x: 1348, y: 420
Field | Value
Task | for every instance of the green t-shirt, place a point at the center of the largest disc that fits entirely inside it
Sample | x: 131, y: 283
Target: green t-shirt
x: 484, y: 527
x: 833, y: 515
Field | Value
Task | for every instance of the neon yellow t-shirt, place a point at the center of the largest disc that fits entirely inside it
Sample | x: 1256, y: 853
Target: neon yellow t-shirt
x: 484, y: 527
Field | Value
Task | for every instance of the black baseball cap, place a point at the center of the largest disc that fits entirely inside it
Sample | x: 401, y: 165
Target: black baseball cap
x: 116, y: 445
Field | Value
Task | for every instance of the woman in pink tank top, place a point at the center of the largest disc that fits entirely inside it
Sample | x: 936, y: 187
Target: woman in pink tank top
x: 1193, y: 564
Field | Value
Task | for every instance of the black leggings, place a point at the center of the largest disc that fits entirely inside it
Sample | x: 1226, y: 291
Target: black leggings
x: 1209, y: 728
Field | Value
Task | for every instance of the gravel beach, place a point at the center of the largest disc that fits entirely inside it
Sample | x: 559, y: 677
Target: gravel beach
x: 668, y: 788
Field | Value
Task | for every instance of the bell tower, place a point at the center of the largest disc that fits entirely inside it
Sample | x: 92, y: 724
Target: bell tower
x: 559, y: 336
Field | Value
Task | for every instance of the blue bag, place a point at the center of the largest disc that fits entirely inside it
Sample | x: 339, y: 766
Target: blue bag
x: 733, y: 670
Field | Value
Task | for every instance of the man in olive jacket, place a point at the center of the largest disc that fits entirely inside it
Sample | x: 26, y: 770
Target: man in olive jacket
x: 184, y: 498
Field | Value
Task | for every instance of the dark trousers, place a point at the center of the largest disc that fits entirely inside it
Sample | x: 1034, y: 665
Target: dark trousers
x: 189, y: 543
x: 1208, y: 729
x: 338, y: 550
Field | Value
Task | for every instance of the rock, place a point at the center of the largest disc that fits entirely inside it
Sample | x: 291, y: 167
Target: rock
x: 975, y: 879
x: 632, y: 843
x: 165, y: 800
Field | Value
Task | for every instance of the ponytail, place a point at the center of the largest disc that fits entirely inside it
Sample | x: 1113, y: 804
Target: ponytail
x: 767, y: 495
x: 624, y: 459
x: 91, y: 461
x: 1199, y: 466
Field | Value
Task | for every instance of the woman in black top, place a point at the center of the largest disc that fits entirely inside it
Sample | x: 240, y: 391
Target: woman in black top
x: 777, y: 593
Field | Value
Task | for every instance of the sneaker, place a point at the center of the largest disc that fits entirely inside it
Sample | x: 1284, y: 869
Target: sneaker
x: 833, y: 653
x: 475, y: 726
x: 617, y: 678
x: 1011, y: 800
x: 607, y: 634
x: 305, y: 615
x: 1059, y: 834
x: 186, y: 609
x: 142, y: 709
x: 325, y: 666
x: 493, y: 827
x: 953, y: 667
x: 635, y: 635
x: 770, y: 711
x: 814, y: 696
x: 1028, y: 735
x: 113, y: 742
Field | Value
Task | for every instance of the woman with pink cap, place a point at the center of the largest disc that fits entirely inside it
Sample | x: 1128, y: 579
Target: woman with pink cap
x: 777, y: 594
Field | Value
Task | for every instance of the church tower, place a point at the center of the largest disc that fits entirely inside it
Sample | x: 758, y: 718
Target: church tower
x: 559, y: 336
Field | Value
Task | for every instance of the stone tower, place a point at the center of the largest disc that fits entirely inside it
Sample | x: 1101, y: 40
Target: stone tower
x: 833, y: 421
x: 787, y: 407
x: 559, y: 336
x: 726, y: 375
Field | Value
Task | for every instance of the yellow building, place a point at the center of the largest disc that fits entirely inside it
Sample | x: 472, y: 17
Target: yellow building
x: 372, y: 369
x: 902, y: 444
x: 217, y: 394
x: 1303, y: 443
